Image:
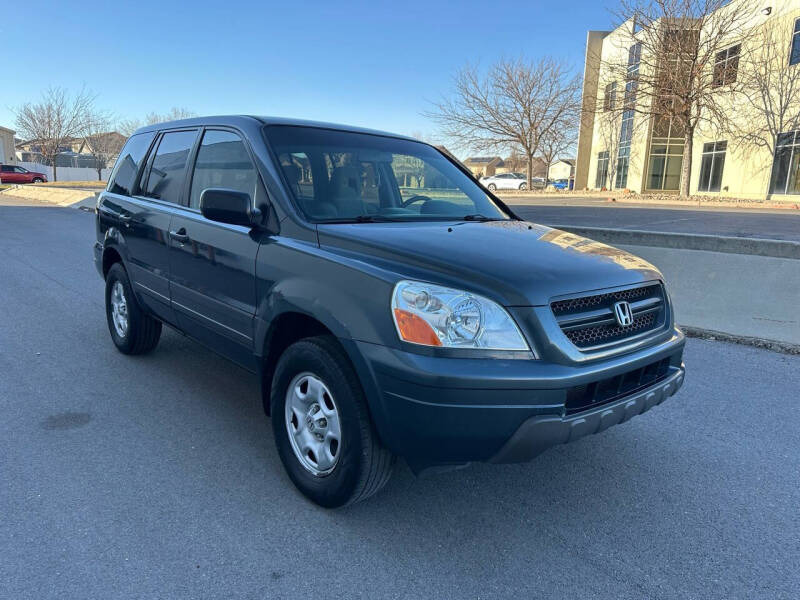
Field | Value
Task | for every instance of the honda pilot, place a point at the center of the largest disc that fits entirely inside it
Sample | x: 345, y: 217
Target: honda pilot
x: 388, y: 303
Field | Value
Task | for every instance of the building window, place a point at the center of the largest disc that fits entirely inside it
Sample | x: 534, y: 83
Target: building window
x: 629, y: 104
x: 786, y: 168
x: 711, y: 167
x: 794, y: 58
x: 610, y: 97
x: 602, y: 170
x: 726, y: 66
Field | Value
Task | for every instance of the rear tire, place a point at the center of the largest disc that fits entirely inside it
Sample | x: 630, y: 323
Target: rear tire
x: 132, y: 330
x: 306, y: 421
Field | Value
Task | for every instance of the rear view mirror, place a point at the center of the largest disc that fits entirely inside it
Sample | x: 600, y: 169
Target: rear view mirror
x: 228, y: 206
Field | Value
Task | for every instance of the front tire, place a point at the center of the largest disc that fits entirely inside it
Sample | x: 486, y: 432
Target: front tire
x: 38, y: 180
x: 132, y: 330
x: 492, y: 187
x: 323, y: 431
x: 523, y: 187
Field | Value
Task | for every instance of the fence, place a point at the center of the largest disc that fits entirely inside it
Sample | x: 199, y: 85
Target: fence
x: 67, y: 173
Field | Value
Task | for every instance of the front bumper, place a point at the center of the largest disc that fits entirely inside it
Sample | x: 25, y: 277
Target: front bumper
x: 537, y: 434
x: 434, y: 410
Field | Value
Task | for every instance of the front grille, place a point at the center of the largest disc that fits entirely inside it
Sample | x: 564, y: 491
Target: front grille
x: 601, y: 392
x: 589, y: 321
x: 576, y: 304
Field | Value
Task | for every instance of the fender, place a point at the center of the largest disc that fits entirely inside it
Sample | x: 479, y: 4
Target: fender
x: 346, y: 313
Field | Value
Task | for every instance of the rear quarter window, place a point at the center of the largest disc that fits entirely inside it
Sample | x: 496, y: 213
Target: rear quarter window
x: 123, y: 177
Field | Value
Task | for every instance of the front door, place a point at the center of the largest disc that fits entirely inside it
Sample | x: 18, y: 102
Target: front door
x: 212, y: 265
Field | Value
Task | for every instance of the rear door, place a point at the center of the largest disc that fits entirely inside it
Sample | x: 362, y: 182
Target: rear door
x: 212, y: 265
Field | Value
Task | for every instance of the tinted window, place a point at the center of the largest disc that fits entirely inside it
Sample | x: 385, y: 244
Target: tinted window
x: 168, y: 168
x: 7, y: 169
x: 222, y: 162
x: 794, y: 58
x: 124, y: 175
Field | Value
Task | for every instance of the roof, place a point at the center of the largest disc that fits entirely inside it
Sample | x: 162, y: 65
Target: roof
x: 7, y: 129
x: 569, y: 161
x: 238, y: 119
x: 483, y: 160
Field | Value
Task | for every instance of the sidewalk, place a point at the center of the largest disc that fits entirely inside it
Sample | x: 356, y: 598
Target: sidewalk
x: 52, y: 195
x: 792, y: 203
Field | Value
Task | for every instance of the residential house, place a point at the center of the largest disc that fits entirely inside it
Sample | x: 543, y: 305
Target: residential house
x: 563, y: 168
x: 7, y: 155
x: 483, y: 166
x: 519, y: 164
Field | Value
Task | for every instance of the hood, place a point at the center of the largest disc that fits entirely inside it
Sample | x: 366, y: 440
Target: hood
x: 514, y: 262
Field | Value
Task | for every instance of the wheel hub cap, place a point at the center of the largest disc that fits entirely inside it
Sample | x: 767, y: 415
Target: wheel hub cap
x: 312, y: 422
x: 119, y: 309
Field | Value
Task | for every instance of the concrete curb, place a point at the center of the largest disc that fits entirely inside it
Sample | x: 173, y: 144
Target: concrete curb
x: 689, y: 241
x: 719, y: 336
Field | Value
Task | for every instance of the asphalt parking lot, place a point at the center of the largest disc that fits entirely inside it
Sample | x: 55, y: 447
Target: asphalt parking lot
x: 777, y: 224
x: 157, y: 476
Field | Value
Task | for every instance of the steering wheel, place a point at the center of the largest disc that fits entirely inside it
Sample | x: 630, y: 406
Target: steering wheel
x: 413, y: 199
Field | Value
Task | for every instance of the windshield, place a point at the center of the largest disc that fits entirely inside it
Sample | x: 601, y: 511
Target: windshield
x: 338, y: 176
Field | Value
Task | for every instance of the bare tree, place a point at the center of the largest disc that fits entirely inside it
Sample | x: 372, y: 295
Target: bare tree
x: 102, y: 142
x: 560, y: 140
x: 174, y: 114
x: 771, y: 89
x: 54, y: 121
x: 511, y: 108
x: 680, y: 65
x: 608, y: 129
x: 128, y: 126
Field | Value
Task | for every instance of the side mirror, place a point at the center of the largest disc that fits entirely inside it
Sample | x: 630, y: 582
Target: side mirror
x: 228, y: 206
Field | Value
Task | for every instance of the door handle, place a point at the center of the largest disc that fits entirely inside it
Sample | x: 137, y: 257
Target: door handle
x: 180, y: 236
x: 125, y: 219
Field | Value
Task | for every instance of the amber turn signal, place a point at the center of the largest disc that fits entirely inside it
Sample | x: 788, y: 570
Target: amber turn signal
x: 414, y: 329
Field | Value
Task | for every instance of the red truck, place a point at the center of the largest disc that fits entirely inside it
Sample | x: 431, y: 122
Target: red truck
x: 15, y: 174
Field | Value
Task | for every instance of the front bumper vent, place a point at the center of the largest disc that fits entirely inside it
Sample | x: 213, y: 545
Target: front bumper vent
x: 601, y: 392
x: 589, y: 321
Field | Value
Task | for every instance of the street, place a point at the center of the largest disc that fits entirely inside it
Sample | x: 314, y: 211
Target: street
x: 709, y: 220
x: 157, y: 476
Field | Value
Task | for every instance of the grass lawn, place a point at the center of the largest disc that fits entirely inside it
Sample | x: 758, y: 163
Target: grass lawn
x: 91, y: 184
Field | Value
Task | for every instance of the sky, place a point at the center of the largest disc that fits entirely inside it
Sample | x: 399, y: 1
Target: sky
x: 371, y: 64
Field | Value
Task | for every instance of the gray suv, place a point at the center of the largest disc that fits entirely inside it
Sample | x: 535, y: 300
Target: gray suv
x: 388, y: 303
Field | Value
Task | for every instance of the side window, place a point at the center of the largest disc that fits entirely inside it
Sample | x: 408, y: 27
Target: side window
x: 124, y: 175
x: 6, y: 169
x: 222, y: 162
x: 168, y: 167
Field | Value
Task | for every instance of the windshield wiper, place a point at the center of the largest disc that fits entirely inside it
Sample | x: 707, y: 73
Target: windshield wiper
x: 479, y: 217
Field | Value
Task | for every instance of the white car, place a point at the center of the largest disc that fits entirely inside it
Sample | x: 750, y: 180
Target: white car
x: 506, y: 181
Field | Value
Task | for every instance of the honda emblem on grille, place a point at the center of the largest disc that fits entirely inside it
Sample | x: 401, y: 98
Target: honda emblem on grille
x: 622, y: 311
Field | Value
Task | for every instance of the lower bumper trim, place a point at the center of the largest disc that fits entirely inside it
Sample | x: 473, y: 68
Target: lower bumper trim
x: 537, y: 434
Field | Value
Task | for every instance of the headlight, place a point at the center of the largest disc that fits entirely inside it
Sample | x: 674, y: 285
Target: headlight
x: 433, y: 315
